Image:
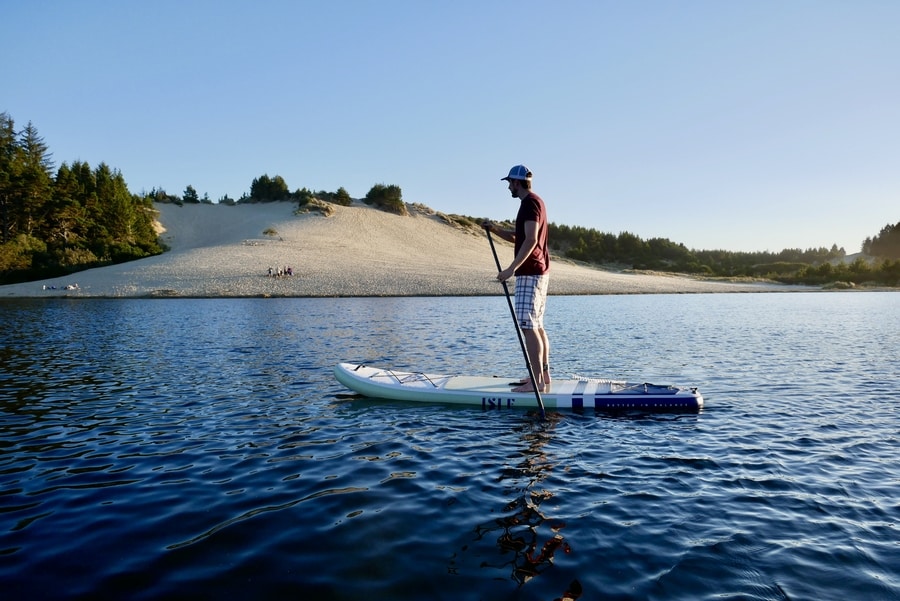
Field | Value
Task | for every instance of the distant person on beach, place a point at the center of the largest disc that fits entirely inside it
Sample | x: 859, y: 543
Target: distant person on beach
x: 531, y: 266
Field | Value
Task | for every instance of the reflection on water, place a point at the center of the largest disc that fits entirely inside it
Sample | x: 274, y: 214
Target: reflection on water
x: 202, y: 449
x: 526, y: 538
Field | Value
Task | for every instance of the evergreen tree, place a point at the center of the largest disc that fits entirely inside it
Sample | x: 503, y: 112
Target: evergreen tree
x: 342, y: 197
x: 190, y: 195
x: 304, y: 196
x: 265, y: 189
x: 886, y: 244
x: 66, y: 216
x: 35, y: 179
x: 387, y: 198
x: 78, y: 218
x: 10, y: 166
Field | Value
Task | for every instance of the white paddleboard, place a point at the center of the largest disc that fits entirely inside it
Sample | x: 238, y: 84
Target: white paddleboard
x: 494, y: 392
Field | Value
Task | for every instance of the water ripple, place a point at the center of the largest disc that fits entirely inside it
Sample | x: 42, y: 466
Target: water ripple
x: 157, y: 449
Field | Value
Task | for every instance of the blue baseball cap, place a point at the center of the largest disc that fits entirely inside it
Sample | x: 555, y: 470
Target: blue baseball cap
x: 518, y: 172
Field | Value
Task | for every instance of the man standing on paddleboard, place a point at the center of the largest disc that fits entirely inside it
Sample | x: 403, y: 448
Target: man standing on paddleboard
x: 531, y: 266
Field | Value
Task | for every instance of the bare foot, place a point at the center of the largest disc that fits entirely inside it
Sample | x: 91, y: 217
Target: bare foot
x: 526, y: 387
x: 525, y: 380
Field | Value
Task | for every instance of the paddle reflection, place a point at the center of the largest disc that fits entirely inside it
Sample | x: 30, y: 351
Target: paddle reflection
x: 527, y: 538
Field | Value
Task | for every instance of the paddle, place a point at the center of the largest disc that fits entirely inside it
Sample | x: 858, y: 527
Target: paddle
x: 512, y: 311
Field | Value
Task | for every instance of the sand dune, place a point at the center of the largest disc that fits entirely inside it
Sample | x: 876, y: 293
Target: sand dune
x: 222, y: 251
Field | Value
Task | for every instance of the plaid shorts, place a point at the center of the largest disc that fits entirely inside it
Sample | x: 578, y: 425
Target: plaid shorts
x: 531, y: 300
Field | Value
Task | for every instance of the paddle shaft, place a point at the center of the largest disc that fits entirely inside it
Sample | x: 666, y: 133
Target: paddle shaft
x: 512, y: 311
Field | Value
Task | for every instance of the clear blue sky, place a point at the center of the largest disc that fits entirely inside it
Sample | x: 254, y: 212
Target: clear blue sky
x: 745, y: 125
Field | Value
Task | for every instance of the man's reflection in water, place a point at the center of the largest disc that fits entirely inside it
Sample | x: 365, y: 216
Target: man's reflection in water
x: 519, y: 536
x: 519, y: 530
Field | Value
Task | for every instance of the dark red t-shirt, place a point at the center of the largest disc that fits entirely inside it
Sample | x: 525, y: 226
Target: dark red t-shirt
x: 533, y: 209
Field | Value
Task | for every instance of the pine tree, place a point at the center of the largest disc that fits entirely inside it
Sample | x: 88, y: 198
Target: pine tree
x: 79, y: 218
x: 9, y: 168
x: 36, y: 180
x: 190, y: 195
x: 65, y: 212
x: 265, y: 188
x: 342, y: 197
x: 887, y: 243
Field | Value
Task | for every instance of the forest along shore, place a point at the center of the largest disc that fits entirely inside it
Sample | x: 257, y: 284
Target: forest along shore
x: 228, y: 251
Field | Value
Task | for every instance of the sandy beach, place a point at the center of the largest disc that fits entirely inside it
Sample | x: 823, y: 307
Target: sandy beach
x: 227, y: 251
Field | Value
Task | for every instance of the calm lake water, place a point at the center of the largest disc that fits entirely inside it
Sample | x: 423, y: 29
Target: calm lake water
x: 197, y: 449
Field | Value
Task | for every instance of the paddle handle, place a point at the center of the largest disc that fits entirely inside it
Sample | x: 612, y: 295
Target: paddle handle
x: 512, y: 311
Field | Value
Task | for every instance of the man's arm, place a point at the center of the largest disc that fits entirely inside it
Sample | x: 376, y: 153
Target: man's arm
x: 508, y: 235
x: 531, y: 238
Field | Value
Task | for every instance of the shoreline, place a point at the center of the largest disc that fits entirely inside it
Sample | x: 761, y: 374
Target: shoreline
x: 218, y: 251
